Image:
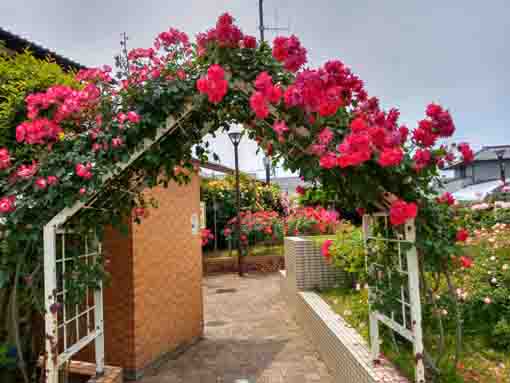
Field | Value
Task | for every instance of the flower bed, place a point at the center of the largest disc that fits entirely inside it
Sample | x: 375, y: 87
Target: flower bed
x: 481, y: 362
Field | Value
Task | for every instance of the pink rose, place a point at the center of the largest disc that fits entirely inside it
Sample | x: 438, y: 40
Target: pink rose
x: 133, y: 117
x: 7, y: 204
x: 116, y: 142
x: 52, y: 180
x: 83, y: 171
x: 5, y: 158
x: 27, y: 171
x: 41, y: 183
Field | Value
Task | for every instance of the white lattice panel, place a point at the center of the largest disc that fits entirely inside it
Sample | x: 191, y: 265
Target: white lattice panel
x: 392, y: 263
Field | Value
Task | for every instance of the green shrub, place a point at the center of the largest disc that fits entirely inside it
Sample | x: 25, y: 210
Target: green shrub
x: 501, y: 335
x: 20, y: 75
x: 348, y: 251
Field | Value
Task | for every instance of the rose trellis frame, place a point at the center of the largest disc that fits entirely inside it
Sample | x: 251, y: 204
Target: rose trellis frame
x: 71, y: 324
x: 394, y: 290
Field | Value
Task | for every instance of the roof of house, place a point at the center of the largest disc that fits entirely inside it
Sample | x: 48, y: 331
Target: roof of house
x: 477, y: 192
x: 18, y: 44
x: 487, y: 153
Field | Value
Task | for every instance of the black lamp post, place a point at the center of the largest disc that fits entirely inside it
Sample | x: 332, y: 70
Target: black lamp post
x: 267, y: 166
x: 235, y: 137
x: 500, y: 154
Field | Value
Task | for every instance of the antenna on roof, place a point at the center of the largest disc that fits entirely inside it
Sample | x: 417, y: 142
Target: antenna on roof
x: 262, y: 27
x: 122, y: 59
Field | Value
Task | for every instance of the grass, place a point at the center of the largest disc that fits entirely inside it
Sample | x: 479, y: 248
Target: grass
x: 480, y: 363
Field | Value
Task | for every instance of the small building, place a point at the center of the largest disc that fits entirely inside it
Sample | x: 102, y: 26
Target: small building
x: 487, y: 166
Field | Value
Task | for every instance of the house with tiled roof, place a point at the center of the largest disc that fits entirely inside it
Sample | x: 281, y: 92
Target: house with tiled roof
x: 489, y: 165
x: 12, y: 43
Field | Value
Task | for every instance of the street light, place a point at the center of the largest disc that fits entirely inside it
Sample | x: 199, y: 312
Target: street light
x: 267, y: 166
x: 235, y: 137
x: 500, y: 154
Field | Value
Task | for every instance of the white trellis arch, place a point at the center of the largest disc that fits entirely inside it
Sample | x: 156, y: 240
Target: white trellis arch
x: 407, y: 320
x: 55, y: 294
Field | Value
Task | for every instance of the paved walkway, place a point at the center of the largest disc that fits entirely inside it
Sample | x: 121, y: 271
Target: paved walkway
x: 249, y: 337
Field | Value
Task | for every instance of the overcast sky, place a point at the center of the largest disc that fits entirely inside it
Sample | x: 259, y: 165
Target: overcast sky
x: 408, y: 52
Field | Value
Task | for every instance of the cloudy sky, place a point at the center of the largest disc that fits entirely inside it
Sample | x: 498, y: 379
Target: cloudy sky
x: 408, y: 52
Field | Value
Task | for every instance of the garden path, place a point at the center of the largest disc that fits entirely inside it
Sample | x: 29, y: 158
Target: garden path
x: 249, y: 337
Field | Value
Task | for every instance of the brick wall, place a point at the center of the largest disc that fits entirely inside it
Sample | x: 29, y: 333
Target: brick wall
x: 167, y: 274
x: 154, y: 302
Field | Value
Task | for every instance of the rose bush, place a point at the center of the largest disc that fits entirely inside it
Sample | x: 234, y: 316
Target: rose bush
x: 219, y: 196
x: 260, y: 226
x: 309, y: 221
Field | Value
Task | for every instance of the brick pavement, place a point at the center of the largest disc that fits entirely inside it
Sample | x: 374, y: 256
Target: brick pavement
x: 249, y: 337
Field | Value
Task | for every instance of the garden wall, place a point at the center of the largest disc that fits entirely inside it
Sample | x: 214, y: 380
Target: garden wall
x: 251, y: 263
x: 344, y: 351
x: 153, y: 306
x: 306, y: 267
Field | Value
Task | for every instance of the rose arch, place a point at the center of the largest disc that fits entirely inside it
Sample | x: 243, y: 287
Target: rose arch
x: 94, y: 146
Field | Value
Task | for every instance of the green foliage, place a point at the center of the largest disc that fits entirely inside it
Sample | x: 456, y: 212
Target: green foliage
x: 501, y: 335
x: 347, y: 250
x: 7, y: 356
x: 20, y: 75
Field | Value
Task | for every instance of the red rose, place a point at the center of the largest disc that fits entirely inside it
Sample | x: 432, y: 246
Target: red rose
x: 390, y: 157
x: 446, y: 198
x: 325, y: 248
x: 462, y: 235
x: 466, y: 262
x: 401, y: 211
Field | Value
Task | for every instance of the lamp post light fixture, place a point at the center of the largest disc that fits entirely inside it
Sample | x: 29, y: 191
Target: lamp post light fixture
x: 267, y: 166
x: 235, y: 137
x: 500, y: 154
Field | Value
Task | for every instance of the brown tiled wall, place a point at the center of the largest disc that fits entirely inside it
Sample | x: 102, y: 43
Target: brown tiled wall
x: 118, y: 296
x: 154, y: 302
x: 167, y: 274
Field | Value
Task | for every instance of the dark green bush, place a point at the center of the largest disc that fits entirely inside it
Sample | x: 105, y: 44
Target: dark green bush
x: 501, y: 335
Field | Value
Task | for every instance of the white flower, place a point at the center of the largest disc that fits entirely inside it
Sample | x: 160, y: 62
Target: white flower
x: 494, y: 280
x: 487, y: 301
x: 444, y: 312
x: 504, y: 267
x: 493, y: 258
x: 480, y: 206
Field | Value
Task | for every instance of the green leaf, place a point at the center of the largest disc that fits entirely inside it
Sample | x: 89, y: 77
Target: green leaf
x: 4, y: 277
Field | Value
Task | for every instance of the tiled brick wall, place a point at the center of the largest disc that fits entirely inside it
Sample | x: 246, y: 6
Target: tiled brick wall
x: 154, y: 302
x: 118, y: 297
x: 306, y: 267
x: 167, y: 274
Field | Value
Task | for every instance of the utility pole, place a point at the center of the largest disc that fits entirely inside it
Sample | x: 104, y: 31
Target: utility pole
x: 262, y: 28
x: 261, y: 19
